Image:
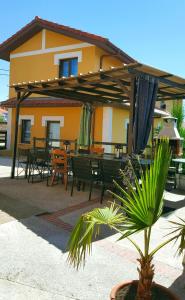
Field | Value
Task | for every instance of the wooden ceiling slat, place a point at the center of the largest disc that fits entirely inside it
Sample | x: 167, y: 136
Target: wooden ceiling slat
x: 170, y: 94
x: 96, y: 91
x: 105, y: 85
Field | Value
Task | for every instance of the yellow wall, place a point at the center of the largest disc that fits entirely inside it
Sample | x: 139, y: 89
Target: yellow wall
x: 41, y: 66
x: 33, y: 43
x: 71, y: 121
x: 107, y: 62
x: 54, y: 39
x: 98, y: 121
x: 118, y: 125
x: 71, y: 127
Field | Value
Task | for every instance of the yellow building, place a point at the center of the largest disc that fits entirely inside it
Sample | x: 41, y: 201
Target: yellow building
x: 44, y: 50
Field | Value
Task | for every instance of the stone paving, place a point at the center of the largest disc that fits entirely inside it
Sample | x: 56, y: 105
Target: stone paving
x: 33, y: 250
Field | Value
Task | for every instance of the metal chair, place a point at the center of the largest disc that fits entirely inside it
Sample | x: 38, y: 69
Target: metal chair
x: 110, y: 170
x: 171, y: 182
x: 22, y: 159
x: 38, y: 164
x: 83, y: 173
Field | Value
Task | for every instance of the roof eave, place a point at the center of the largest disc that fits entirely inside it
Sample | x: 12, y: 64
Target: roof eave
x: 38, y: 24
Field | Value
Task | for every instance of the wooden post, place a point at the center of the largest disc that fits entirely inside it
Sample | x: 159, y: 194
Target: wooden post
x: 34, y: 142
x: 131, y: 116
x: 93, y: 125
x: 16, y: 134
x: 18, y: 102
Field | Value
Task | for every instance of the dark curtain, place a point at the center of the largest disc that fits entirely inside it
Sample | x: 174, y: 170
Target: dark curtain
x: 144, y: 103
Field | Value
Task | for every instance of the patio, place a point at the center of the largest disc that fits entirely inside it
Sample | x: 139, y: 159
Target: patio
x: 37, y: 224
x: 41, y: 218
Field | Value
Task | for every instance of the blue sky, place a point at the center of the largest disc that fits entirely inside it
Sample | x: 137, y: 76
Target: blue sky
x: 150, y: 31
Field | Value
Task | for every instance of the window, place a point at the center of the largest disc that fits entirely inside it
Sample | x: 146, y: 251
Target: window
x: 53, y: 132
x: 68, y: 67
x: 26, y: 131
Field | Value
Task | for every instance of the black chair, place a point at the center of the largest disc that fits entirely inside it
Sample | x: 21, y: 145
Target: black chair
x: 22, y: 161
x: 171, y: 182
x: 110, y: 170
x: 38, y: 164
x: 82, y: 173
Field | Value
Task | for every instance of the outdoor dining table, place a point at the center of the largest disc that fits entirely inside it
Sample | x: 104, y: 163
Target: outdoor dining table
x: 124, y: 158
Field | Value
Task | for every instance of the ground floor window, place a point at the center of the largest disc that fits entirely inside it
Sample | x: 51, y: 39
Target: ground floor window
x: 26, y: 131
x: 53, y: 133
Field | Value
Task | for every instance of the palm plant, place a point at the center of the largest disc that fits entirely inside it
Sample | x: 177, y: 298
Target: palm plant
x: 142, y: 205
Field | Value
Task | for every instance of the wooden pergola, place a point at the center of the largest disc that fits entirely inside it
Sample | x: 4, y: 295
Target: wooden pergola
x: 114, y: 87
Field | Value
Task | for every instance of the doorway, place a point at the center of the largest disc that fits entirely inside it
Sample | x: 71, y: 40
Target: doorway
x: 53, y: 133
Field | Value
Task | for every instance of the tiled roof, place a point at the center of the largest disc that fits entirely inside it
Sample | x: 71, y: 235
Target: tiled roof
x: 42, y: 102
x: 38, y: 24
x: 3, y: 111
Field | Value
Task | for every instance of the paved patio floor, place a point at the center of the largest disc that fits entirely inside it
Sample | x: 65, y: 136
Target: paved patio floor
x: 33, y: 238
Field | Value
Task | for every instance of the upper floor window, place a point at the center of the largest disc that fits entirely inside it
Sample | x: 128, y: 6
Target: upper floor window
x: 68, y: 67
x: 26, y: 131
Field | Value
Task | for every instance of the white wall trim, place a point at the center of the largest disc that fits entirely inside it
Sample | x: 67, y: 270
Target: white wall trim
x: 9, y: 128
x: 57, y: 57
x: 107, y: 127
x: 53, y: 118
x: 43, y: 39
x: 26, y: 117
x: 50, y: 50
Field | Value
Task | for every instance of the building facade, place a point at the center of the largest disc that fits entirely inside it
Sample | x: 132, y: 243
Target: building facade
x: 45, y: 50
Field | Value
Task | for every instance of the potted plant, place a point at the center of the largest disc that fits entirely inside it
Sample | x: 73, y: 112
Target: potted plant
x: 142, y: 205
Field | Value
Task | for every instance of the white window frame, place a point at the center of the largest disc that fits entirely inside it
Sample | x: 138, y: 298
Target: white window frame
x: 58, y: 57
x: 45, y: 119
x: 26, y: 117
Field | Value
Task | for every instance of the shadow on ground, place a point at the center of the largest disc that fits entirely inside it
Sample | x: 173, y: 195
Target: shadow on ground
x: 178, y: 286
x: 27, y: 202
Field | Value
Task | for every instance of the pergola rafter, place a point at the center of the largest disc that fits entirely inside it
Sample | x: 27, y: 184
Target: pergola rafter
x: 114, y: 83
x: 105, y: 87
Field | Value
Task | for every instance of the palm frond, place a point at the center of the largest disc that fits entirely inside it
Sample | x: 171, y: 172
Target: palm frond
x: 88, y: 227
x: 142, y: 206
x: 180, y: 234
x: 143, y: 202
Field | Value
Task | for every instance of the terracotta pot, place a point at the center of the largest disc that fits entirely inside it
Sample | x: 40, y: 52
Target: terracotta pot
x: 116, y: 288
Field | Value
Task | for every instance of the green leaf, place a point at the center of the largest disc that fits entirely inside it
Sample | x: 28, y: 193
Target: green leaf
x: 180, y: 231
x: 142, y: 207
x: 88, y: 227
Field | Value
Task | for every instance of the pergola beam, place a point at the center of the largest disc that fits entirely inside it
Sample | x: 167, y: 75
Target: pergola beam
x: 83, y: 98
x: 108, y: 87
x: 170, y: 98
x: 160, y: 78
x: 76, y: 95
x: 171, y: 94
x: 20, y: 98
